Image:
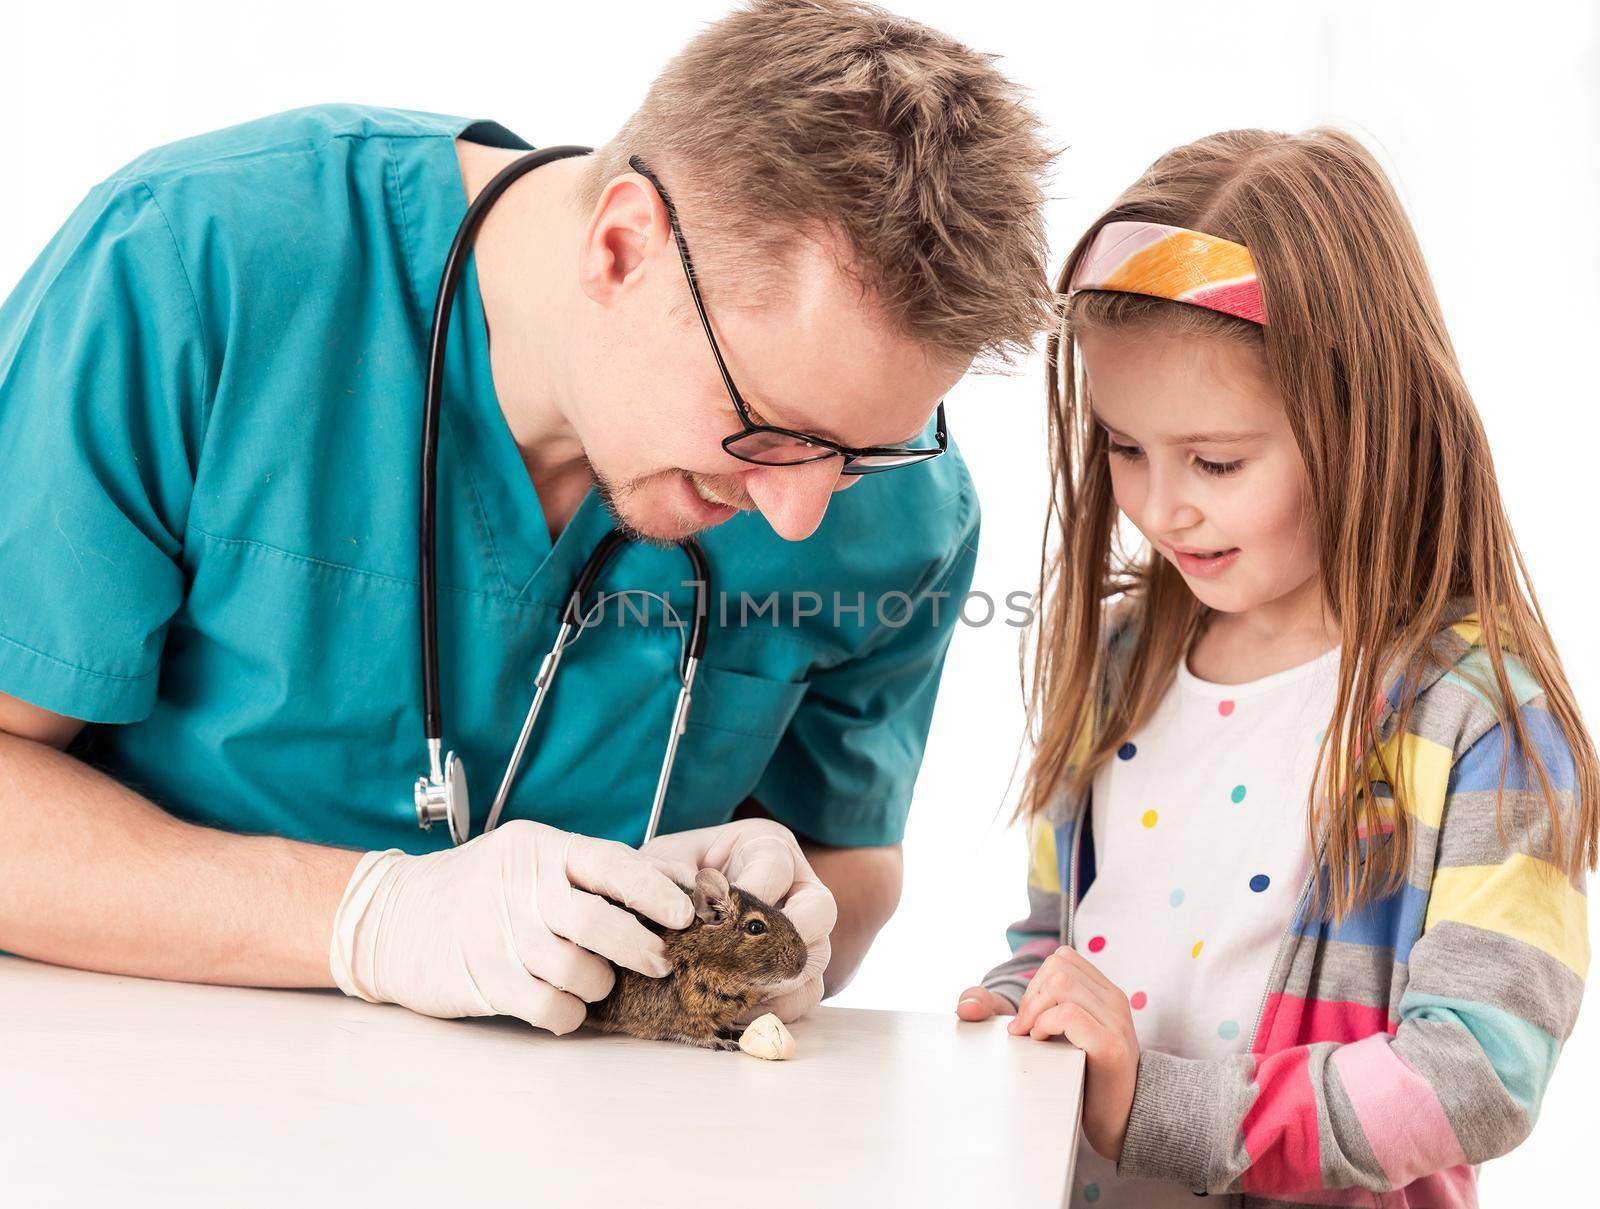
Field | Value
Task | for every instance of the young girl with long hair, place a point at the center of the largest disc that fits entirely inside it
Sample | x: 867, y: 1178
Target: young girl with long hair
x: 1311, y: 799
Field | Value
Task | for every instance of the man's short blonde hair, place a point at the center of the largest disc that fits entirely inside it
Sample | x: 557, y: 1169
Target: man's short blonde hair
x: 828, y: 118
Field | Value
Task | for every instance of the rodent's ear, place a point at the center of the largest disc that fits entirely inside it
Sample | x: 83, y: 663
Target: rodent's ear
x: 713, y: 899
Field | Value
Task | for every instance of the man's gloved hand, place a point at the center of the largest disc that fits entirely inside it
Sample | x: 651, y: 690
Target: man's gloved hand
x: 509, y: 924
x: 762, y: 857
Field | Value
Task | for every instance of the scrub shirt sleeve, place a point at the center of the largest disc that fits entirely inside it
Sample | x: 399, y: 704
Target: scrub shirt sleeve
x: 845, y: 768
x: 103, y: 375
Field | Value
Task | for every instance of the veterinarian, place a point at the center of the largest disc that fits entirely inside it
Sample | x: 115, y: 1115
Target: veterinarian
x: 210, y: 391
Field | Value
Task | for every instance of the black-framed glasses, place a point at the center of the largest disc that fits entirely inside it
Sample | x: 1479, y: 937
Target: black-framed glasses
x: 767, y: 444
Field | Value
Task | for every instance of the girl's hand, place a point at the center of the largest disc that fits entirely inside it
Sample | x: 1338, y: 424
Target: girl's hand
x: 980, y: 1003
x: 1069, y: 997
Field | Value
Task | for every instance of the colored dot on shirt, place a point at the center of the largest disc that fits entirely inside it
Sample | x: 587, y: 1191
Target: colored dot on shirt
x: 1149, y: 818
x: 1175, y: 899
x: 1260, y: 882
x: 1238, y: 793
x: 1228, y: 1030
x: 1224, y: 708
x: 1198, y: 945
x: 1096, y: 943
x: 1127, y: 751
x: 1091, y: 1193
x: 1137, y: 1000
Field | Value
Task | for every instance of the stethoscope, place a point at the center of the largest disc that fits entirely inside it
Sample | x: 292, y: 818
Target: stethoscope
x: 441, y: 795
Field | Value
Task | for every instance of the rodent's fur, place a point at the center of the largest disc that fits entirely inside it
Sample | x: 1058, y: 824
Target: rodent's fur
x: 719, y: 969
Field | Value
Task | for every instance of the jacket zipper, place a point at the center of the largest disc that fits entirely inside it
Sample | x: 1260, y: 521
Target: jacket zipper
x: 1316, y: 866
x: 1283, y: 943
x: 1072, y: 867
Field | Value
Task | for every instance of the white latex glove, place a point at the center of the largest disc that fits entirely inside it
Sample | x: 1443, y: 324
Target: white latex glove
x: 762, y: 856
x: 508, y: 924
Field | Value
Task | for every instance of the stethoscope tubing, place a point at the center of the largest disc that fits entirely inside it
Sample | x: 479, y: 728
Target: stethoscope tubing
x: 573, y: 619
x: 442, y: 793
x: 444, y: 302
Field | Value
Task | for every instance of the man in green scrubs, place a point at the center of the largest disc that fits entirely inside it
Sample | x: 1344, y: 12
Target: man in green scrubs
x: 210, y: 400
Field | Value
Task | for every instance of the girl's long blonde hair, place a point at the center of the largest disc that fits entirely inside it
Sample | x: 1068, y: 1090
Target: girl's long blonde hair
x: 1403, y: 494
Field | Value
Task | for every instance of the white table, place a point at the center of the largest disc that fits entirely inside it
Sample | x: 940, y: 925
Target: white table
x: 122, y: 1091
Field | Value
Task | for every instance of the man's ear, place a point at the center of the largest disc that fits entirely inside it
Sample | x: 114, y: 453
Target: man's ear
x: 629, y: 226
x: 713, y: 899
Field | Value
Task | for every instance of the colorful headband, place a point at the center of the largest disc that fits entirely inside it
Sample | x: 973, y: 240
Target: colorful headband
x: 1174, y: 263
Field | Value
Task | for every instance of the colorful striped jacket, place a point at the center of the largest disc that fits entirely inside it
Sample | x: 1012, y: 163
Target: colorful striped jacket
x: 1398, y: 1048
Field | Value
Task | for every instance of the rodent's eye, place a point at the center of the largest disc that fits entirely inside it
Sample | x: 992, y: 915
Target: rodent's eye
x: 755, y: 927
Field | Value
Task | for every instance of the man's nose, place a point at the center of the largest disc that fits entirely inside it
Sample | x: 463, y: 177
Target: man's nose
x: 794, y: 498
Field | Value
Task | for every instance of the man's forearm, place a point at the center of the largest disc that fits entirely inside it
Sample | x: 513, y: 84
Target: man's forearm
x: 99, y: 878
x: 866, y: 886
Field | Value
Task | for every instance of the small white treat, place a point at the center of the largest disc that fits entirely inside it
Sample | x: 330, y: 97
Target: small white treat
x: 767, y: 1038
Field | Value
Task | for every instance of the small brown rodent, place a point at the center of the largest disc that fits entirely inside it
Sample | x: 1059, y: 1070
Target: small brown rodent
x: 735, y: 950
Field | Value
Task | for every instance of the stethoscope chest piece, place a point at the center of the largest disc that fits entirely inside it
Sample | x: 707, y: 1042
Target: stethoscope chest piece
x: 443, y: 798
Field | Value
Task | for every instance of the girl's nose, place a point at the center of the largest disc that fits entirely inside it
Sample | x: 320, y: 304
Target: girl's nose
x: 794, y: 498
x: 1166, y: 510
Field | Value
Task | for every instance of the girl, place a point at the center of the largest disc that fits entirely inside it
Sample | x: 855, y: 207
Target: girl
x: 1311, y: 801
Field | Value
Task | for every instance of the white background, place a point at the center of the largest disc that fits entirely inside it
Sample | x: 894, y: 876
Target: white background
x: 1488, y: 116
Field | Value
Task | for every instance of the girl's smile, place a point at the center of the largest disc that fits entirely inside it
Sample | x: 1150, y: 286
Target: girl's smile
x: 1204, y: 566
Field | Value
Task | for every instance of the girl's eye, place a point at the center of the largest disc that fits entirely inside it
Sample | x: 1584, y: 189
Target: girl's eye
x: 755, y: 927
x: 1133, y: 453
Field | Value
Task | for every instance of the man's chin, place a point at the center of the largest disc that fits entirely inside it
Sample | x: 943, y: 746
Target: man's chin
x: 651, y: 531
x: 662, y: 509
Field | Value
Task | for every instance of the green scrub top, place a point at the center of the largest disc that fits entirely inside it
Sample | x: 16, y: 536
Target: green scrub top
x: 210, y: 402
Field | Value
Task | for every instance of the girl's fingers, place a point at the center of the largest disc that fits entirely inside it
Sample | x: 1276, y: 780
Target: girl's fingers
x: 1099, y: 988
x: 1074, y: 1022
x: 1112, y: 1052
x: 1038, y: 987
x: 1092, y: 973
x: 980, y: 1003
x: 1046, y: 987
x: 973, y: 1004
x: 1039, y: 994
x: 1055, y: 988
x: 1067, y: 967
